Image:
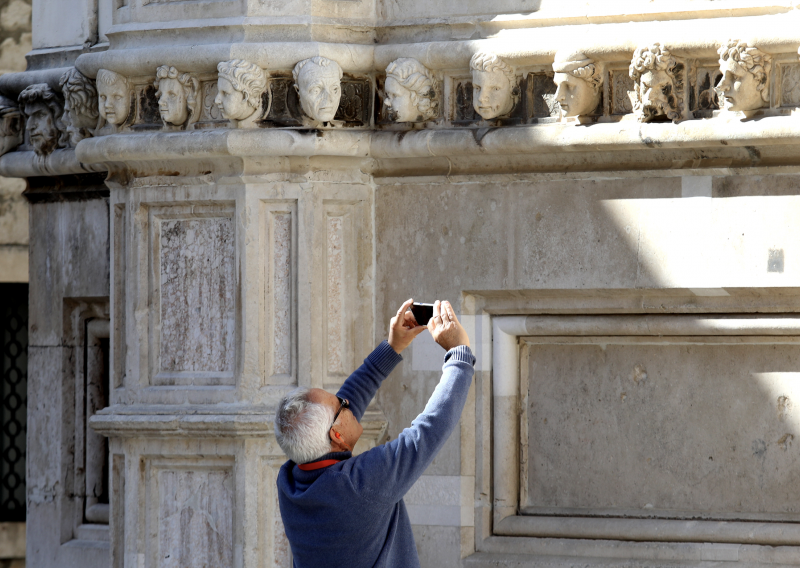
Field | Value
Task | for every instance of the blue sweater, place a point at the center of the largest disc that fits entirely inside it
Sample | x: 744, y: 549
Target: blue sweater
x: 351, y: 514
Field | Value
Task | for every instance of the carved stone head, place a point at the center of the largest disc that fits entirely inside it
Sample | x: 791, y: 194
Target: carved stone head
x: 43, y: 109
x: 80, y: 105
x: 658, y: 84
x: 114, y: 95
x: 239, y: 88
x: 579, y: 81
x: 745, y: 76
x: 177, y: 95
x: 319, y: 83
x: 494, y: 85
x: 10, y: 125
x: 410, y: 91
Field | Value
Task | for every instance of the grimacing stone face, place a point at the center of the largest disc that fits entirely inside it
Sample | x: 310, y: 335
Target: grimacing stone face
x: 400, y: 102
x: 320, y: 91
x: 575, y: 96
x: 114, y: 102
x: 41, y: 128
x: 172, y: 102
x: 652, y: 87
x: 738, y: 87
x: 232, y: 102
x: 491, y: 94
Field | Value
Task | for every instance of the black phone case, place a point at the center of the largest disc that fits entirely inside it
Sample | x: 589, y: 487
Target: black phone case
x: 422, y: 313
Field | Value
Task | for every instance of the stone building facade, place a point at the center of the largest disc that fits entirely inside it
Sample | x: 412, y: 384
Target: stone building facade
x: 230, y: 198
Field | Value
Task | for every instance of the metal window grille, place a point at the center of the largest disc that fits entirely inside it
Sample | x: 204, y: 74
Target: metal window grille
x: 13, y: 399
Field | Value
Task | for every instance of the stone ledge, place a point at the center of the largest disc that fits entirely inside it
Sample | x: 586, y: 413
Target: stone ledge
x: 208, y: 422
x: 60, y: 162
x: 769, y: 141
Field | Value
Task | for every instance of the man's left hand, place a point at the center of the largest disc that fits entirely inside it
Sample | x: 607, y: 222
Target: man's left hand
x: 403, y: 328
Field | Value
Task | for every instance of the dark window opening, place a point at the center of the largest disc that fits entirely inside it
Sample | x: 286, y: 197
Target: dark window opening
x: 13, y: 399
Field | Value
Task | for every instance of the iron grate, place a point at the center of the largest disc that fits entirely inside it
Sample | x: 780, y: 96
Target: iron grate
x: 13, y: 399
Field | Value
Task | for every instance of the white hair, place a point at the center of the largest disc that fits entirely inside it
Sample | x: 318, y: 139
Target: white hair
x: 302, y: 426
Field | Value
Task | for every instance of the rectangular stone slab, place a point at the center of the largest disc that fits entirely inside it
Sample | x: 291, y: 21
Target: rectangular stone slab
x: 662, y: 427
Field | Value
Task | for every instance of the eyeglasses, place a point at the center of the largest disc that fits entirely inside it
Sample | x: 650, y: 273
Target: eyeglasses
x: 343, y: 403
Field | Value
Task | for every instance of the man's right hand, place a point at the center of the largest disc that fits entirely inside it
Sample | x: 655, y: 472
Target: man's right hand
x: 445, y: 327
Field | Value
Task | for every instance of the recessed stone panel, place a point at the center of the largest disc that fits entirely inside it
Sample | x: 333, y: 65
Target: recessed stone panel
x: 194, y: 257
x: 280, y: 267
x: 192, y: 507
x: 663, y: 427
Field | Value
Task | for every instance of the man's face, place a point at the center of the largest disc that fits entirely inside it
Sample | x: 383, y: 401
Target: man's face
x: 575, y: 96
x: 655, y: 87
x: 320, y: 91
x: 172, y: 102
x: 231, y: 102
x: 114, y: 101
x: 491, y: 94
x: 41, y: 128
x: 738, y: 88
x: 400, y: 102
x: 347, y: 426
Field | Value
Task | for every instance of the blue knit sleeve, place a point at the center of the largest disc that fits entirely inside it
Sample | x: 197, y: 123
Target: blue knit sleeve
x: 387, y: 472
x: 361, y: 386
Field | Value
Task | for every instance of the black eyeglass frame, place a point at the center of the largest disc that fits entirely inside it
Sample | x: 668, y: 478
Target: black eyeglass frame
x: 343, y: 403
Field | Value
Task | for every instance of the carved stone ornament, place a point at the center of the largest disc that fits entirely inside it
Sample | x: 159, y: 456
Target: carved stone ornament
x: 494, y: 86
x: 178, y: 96
x: 657, y: 83
x: 744, y: 85
x: 10, y: 125
x: 240, y: 87
x: 410, y: 91
x: 319, y: 83
x: 114, y: 94
x: 579, y: 81
x: 43, y: 109
x: 81, y: 114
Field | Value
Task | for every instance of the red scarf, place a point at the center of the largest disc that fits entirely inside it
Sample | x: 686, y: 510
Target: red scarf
x: 317, y: 465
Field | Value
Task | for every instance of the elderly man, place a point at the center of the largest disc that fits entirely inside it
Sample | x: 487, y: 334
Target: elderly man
x: 344, y: 511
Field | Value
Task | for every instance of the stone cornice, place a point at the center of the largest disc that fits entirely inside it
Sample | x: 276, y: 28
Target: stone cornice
x: 551, y: 147
x: 60, y: 162
x: 205, y: 422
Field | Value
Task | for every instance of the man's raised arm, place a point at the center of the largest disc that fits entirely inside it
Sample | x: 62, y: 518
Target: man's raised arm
x: 361, y: 386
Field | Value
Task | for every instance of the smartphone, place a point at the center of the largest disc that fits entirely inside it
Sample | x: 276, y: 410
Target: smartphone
x: 422, y: 312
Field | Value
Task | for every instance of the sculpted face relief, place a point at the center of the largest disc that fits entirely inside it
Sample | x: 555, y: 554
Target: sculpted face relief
x: 494, y: 86
x: 177, y: 95
x: 578, y: 84
x: 658, y: 84
x: 10, y: 125
x: 318, y: 82
x: 114, y: 97
x: 80, y: 105
x: 172, y: 102
x: 410, y: 95
x: 42, y: 109
x: 239, y: 89
x: 745, y: 76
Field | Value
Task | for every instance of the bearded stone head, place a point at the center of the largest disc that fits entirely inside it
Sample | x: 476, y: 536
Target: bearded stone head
x: 43, y: 109
x: 658, y: 84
